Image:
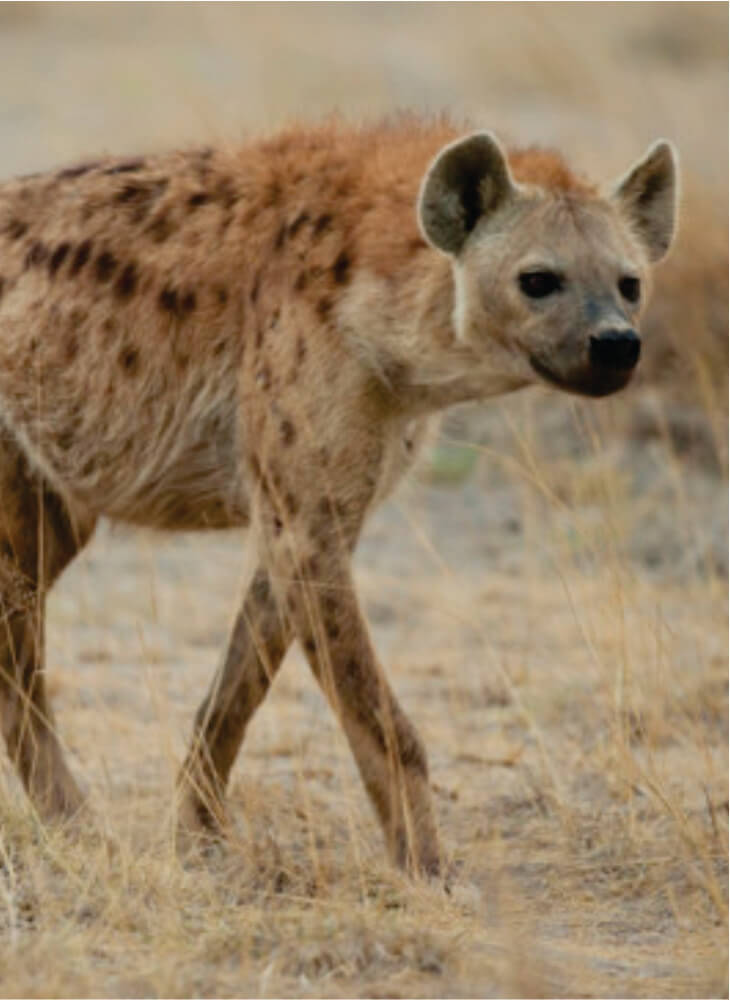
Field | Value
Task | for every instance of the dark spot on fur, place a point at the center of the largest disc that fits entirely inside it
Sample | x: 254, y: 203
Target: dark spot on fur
x: 140, y: 197
x: 260, y: 587
x: 333, y: 630
x: 288, y: 433
x: 83, y: 252
x: 341, y: 268
x: 188, y: 303
x: 167, y: 300
x: 109, y: 326
x: 58, y: 257
x: 16, y: 228
x: 310, y: 645
x: 129, y: 192
x: 125, y: 166
x: 280, y: 237
x: 259, y: 338
x: 225, y: 193
x: 69, y: 173
x: 65, y: 439
x: 297, y: 224
x: 330, y: 604
x: 301, y: 350
x: 291, y: 503
x: 198, y: 199
x: 129, y: 360
x: 324, y: 307
x: 221, y: 294
x: 396, y: 373
x: 160, y: 228
x: 322, y: 224
x: 412, y: 755
x: 312, y: 566
x: 301, y: 283
x: 255, y: 288
x: 71, y: 347
x: 105, y: 266
x: 278, y: 525
x: 126, y: 283
x: 36, y: 254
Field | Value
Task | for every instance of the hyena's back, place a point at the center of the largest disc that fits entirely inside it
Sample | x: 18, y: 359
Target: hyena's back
x: 120, y: 334
x: 130, y: 290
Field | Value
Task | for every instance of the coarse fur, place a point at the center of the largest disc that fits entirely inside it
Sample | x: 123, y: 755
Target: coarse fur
x: 224, y: 337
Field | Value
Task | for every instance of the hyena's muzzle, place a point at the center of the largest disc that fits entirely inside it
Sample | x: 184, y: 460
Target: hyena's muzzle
x: 606, y: 361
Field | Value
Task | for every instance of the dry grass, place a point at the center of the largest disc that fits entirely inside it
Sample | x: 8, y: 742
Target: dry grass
x: 556, y: 625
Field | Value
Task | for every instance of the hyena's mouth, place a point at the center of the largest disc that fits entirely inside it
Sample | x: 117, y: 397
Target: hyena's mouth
x: 585, y: 381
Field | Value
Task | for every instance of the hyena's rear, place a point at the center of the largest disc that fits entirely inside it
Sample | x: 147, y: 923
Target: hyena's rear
x: 222, y: 338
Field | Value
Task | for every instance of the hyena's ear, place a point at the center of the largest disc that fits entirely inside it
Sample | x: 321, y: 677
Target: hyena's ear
x: 648, y: 194
x: 468, y: 179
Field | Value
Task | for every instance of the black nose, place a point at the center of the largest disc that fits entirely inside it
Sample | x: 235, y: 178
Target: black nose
x: 618, y: 350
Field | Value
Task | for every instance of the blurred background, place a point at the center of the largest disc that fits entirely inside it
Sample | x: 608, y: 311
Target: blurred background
x: 599, y: 80
x: 549, y: 593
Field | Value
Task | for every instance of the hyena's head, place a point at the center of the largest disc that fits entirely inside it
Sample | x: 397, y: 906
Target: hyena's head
x: 550, y: 279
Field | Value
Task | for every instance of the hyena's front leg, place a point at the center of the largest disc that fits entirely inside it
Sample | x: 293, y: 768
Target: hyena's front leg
x: 312, y: 574
x: 256, y: 648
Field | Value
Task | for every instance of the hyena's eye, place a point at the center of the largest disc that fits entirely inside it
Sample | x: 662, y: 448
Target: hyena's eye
x: 630, y: 288
x: 538, y: 284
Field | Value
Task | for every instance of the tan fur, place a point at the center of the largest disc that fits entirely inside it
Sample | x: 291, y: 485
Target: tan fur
x: 223, y: 337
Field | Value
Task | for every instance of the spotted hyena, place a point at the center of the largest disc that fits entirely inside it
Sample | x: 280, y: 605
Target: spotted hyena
x: 256, y: 336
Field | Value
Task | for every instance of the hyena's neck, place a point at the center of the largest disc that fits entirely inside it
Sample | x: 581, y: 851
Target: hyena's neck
x: 406, y: 332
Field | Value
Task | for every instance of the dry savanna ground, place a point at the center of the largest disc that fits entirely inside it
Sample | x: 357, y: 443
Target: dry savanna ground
x: 549, y: 593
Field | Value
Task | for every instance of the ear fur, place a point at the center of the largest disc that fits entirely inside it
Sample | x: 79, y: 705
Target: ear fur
x: 648, y: 194
x: 468, y: 179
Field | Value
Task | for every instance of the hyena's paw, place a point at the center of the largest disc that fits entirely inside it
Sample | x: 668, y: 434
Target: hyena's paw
x: 58, y: 800
x: 201, y: 825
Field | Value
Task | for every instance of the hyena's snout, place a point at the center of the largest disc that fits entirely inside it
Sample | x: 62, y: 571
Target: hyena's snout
x: 614, y: 350
x: 593, y: 364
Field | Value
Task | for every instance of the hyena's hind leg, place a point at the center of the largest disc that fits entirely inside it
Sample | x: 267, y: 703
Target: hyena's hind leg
x: 38, y: 538
x: 257, y: 645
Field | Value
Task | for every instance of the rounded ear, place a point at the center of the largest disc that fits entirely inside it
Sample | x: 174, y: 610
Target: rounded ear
x: 648, y: 194
x: 468, y: 179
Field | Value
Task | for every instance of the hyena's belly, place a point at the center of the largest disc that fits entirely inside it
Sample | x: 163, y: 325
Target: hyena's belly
x: 160, y: 450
